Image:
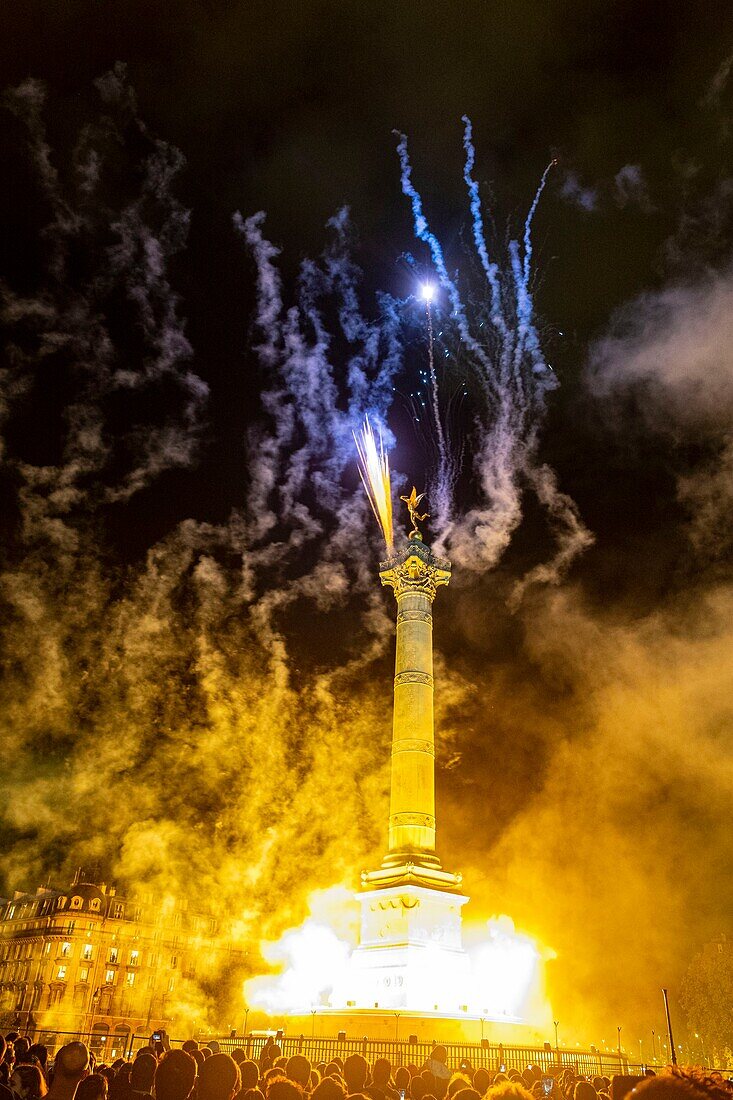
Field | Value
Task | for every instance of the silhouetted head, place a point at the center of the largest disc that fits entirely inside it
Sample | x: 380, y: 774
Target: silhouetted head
x: 143, y: 1072
x: 381, y: 1072
x: 355, y: 1072
x: 330, y: 1088
x: 418, y: 1088
x: 28, y: 1081
x: 683, y: 1084
x: 72, y: 1062
x: 457, y: 1082
x: 218, y: 1078
x: 298, y: 1069
x: 93, y: 1087
x: 280, y: 1088
x: 481, y: 1080
x: 250, y: 1073
x: 175, y: 1075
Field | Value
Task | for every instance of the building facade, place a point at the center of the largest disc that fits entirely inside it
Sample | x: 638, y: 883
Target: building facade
x: 88, y: 960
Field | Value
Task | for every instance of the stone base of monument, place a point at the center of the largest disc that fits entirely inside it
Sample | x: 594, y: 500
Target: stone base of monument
x: 410, y: 954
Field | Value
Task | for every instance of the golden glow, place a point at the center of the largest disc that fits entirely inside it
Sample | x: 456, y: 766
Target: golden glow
x: 374, y: 473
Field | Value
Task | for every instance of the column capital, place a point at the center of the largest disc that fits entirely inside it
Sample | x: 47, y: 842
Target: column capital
x: 415, y: 570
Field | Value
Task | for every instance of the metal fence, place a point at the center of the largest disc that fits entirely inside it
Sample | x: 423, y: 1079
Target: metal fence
x: 492, y: 1056
x: 403, y: 1053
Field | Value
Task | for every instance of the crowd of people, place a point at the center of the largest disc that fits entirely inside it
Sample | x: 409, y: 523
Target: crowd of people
x: 204, y: 1072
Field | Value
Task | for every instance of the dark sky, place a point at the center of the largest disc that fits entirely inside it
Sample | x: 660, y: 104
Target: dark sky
x: 604, y: 696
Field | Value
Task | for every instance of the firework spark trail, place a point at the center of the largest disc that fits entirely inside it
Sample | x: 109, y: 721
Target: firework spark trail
x: 444, y: 483
x: 515, y: 378
x: 375, y: 477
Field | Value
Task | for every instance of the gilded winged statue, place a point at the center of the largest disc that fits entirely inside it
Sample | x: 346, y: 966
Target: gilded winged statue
x: 412, y: 503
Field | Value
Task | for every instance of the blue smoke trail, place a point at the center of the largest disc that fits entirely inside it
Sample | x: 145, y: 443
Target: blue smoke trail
x: 479, y: 236
x: 509, y: 364
x: 423, y: 233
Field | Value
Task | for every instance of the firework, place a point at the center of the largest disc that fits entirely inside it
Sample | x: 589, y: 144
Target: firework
x: 374, y: 472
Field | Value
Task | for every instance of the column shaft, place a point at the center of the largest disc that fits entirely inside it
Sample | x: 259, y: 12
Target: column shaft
x: 412, y: 796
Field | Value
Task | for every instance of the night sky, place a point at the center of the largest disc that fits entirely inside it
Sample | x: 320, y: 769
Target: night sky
x: 196, y: 661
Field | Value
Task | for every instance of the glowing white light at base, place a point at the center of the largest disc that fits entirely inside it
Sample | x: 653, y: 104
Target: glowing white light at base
x: 504, y: 980
x: 427, y: 292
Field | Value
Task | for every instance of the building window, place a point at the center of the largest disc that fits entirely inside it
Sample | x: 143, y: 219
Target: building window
x: 70, y: 926
x: 47, y: 948
x: 84, y: 974
x: 171, y: 984
x: 60, y: 902
x: 87, y: 952
x: 114, y: 954
x: 118, y: 910
x: 131, y: 978
x: 134, y: 958
x: 94, y: 905
x: 11, y: 912
x: 76, y: 902
x: 174, y: 962
x: 61, y: 974
x: 109, y: 977
x: 66, y: 950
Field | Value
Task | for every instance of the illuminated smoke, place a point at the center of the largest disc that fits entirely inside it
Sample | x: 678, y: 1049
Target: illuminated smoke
x: 507, y: 362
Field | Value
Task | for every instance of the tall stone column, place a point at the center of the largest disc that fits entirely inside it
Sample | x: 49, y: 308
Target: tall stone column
x: 414, y: 575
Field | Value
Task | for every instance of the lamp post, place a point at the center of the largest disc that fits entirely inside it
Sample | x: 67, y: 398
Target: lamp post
x: 246, y: 1017
x: 669, y: 1027
x: 654, y: 1047
x: 641, y: 1052
x: 313, y: 1024
x: 396, y: 1026
x: 618, y: 1032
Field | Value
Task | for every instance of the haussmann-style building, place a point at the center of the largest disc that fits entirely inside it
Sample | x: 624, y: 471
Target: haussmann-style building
x: 89, y: 961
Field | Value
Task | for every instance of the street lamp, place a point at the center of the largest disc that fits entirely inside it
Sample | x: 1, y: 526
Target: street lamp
x: 641, y: 1052
x: 313, y: 1025
x: 557, y: 1024
x: 246, y: 1017
x: 618, y: 1031
x: 397, y: 1025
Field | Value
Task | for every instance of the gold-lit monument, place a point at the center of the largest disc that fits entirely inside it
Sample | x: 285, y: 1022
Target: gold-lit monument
x: 410, y: 962
x: 410, y: 943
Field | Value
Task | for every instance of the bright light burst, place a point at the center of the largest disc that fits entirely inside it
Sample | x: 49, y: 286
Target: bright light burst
x: 374, y: 472
x: 504, y: 982
x: 427, y: 292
